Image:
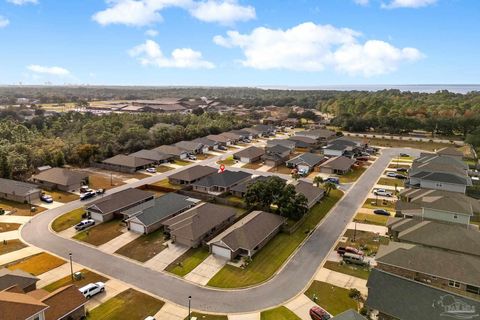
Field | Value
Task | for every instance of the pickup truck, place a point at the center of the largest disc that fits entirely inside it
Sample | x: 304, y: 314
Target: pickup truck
x: 383, y: 192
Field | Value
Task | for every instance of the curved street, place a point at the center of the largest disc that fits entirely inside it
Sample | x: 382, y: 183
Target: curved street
x: 288, y: 283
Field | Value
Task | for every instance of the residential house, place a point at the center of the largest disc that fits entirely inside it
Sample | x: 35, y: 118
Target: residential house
x: 18, y: 191
x: 291, y: 122
x: 153, y: 155
x: 198, y: 224
x: 253, y: 132
x: 191, y: 147
x: 61, y: 179
x: 124, y: 163
x: 249, y: 155
x: 341, y: 147
x: 337, y: 165
x: 165, y: 207
x: 207, y: 144
x: 306, y: 162
x: 221, y: 140
x: 450, y: 152
x: 191, y: 174
x: 305, y: 142
x: 274, y: 121
x: 23, y: 280
x: 321, y: 135
x: 240, y: 189
x: 243, y: 134
x: 233, y: 137
x: 282, y: 142
x: 312, y: 193
x: 276, y: 155
x: 429, y: 204
x: 121, y: 204
x: 349, y: 315
x: 174, y: 151
x: 262, y: 130
x: 247, y: 236
x: 220, y: 182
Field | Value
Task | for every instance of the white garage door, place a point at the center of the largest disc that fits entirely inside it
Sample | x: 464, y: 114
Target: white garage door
x: 136, y: 227
x: 244, y: 160
x: 303, y: 168
x: 222, y: 252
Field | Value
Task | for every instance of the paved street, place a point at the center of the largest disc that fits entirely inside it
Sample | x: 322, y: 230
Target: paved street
x: 290, y: 281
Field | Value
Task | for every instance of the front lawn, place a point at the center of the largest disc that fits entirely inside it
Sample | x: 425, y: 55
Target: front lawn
x: 62, y: 196
x: 227, y: 162
x: 144, y: 247
x: 332, y: 298
x: 162, y: 169
x: 271, y: 257
x: 353, y: 175
x: 103, y: 181
x: 181, y: 162
x: 204, y: 156
x: 253, y: 166
x: 351, y: 270
x: 166, y: 184
x: 280, y: 313
x: 68, y: 220
x: 374, y: 219
x: 372, y: 203
x: 364, y: 240
x: 281, y: 169
x: 4, y: 227
x: 203, y: 316
x: 37, y: 264
x: 11, y: 245
x: 187, y: 261
x: 88, y: 277
x: 20, y: 209
x: 399, y: 165
x: 101, y: 233
x: 391, y: 182
x: 129, y: 304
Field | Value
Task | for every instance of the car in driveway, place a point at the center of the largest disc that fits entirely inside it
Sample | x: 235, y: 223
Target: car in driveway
x: 381, y: 212
x: 317, y: 313
x: 92, y: 289
x: 342, y: 250
x: 402, y: 170
x: 222, y: 148
x: 84, y: 224
x: 87, y: 195
x: 401, y: 177
x: 391, y: 174
x: 191, y: 157
x: 404, y: 155
x: 151, y: 170
x: 333, y: 180
x: 46, y: 198
x: 382, y: 192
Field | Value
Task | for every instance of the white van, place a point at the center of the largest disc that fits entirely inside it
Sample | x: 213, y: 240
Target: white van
x: 353, y: 258
x: 92, y: 289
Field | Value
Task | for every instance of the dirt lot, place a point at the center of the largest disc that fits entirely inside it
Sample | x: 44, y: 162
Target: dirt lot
x: 20, y: 209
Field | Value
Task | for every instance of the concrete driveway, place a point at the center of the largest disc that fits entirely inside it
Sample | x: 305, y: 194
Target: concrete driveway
x: 206, y: 270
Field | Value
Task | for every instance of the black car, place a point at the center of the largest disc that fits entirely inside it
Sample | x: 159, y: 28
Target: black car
x: 401, y: 177
x: 404, y: 155
x: 381, y: 212
x: 402, y: 170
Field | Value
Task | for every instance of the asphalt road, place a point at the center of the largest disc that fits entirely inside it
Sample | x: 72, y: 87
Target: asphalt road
x: 289, y: 282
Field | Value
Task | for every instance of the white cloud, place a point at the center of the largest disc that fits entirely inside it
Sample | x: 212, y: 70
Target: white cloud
x: 149, y: 53
x: 393, y: 4
x: 311, y: 47
x: 22, y: 2
x: 55, y: 71
x: 4, y: 22
x: 147, y: 12
x: 151, y: 33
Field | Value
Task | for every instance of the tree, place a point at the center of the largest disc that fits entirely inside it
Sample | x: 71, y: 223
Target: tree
x: 318, y: 180
x: 329, y: 186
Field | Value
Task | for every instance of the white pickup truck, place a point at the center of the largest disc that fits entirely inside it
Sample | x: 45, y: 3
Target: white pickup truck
x: 383, y: 192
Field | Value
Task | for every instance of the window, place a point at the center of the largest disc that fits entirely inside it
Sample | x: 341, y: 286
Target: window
x: 473, y: 289
x: 454, y: 284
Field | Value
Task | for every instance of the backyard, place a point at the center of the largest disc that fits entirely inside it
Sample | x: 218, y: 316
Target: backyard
x: 144, y: 247
x: 88, y: 277
x: 271, y: 257
x: 67, y: 220
x: 187, y: 261
x: 332, y: 298
x: 101, y: 233
x: 36, y: 264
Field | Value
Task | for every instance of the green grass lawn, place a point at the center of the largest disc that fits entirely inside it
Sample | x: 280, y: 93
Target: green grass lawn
x: 253, y: 166
x: 353, y: 175
x: 129, y: 304
x: 400, y: 165
x: 37, y: 264
x: 351, y: 270
x: 181, y: 162
x: 166, y: 184
x: 161, y: 169
x: 371, y: 219
x: 187, y: 261
x: 280, y: 313
x: 227, y: 162
x: 391, y: 182
x: 203, y: 316
x: 62, y: 196
x: 11, y: 246
x: 4, y: 227
x: 67, y: 220
x: 144, y: 247
x: 364, y: 240
x: 281, y: 169
x: 372, y: 203
x: 88, y: 277
x: 271, y: 257
x: 332, y: 298
x: 101, y: 233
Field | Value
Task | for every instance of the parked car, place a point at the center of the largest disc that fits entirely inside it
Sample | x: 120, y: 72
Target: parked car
x: 392, y: 174
x: 317, y: 313
x: 404, y: 155
x: 354, y: 259
x: 46, y: 198
x: 381, y: 212
x: 342, y: 250
x: 84, y: 189
x: 149, y: 318
x: 401, y: 177
x: 247, y: 140
x: 88, y: 195
x: 100, y: 191
x: 363, y: 158
x: 382, y: 192
x: 151, y: 170
x: 191, y: 157
x: 84, y: 224
x: 223, y: 148
x: 333, y: 180
x: 402, y: 170
x: 92, y: 289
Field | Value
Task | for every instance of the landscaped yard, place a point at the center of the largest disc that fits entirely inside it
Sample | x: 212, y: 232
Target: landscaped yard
x: 144, y: 247
x: 253, y: 166
x: 104, y: 181
x: 204, y: 156
x: 37, y: 264
x: 203, y: 316
x: 332, y: 298
x: 166, y: 184
x: 271, y: 257
x: 187, y: 261
x: 350, y: 269
x: 364, y: 240
x: 129, y: 304
x: 181, y: 162
x: 101, y: 233
x: 371, y: 219
x: 67, y: 220
x: 88, y: 277
x: 227, y: 162
x: 235, y: 199
x: 161, y: 169
x: 391, y: 182
x: 281, y: 169
x: 280, y: 313
x: 62, y: 196
x: 11, y: 245
x: 19, y: 209
x: 4, y: 227
x: 400, y: 165
x: 353, y: 175
x: 372, y: 203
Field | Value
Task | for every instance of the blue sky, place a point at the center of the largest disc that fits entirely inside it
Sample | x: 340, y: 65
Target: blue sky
x: 239, y: 42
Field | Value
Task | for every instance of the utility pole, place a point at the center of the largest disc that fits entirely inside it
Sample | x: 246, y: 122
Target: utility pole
x: 189, y: 303
x: 71, y: 264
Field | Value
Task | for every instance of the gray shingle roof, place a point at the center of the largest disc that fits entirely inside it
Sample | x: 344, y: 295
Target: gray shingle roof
x: 281, y: 142
x: 349, y: 315
x: 339, y: 163
x: 312, y: 193
x: 127, y: 161
x: 61, y: 176
x: 17, y: 277
x: 173, y: 150
x: 442, y: 177
x: 189, y: 146
x: 222, y: 179
x: 242, y: 187
x: 193, y: 173
x: 151, y: 155
x: 310, y: 159
x: 13, y: 187
x: 250, y: 152
x: 119, y: 200
x: 206, y: 141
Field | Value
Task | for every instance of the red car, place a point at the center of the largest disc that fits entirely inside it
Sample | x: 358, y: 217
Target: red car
x: 341, y: 251
x: 317, y: 313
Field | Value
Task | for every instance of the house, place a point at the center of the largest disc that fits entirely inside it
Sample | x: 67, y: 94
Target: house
x: 341, y: 147
x: 282, y: 142
x: 234, y: 138
x: 153, y: 155
x: 240, y: 189
x: 61, y: 179
x: 174, y: 151
x: 247, y: 236
x: 23, y: 280
x: 337, y: 165
x: 262, y: 130
x: 274, y: 121
x: 429, y: 204
x: 291, y: 122
x: 450, y: 152
x: 305, y: 163
x: 349, y: 315
x: 243, y: 134
x: 220, y: 182
x: 191, y: 175
x: 121, y: 204
x: 312, y: 193
x: 221, y: 140
x: 124, y: 163
x: 305, y: 142
x: 317, y: 134
x: 276, y: 155
x: 207, y: 144
x: 253, y: 132
x: 62, y: 304
x: 249, y: 155
x: 191, y: 147
x: 198, y: 224
x: 18, y: 191
x: 150, y: 219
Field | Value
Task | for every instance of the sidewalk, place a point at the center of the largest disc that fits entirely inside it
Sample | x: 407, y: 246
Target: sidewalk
x: 19, y: 254
x: 206, y: 270
x: 301, y: 306
x: 68, y: 233
x: 369, y: 227
x: 341, y: 280
x: 112, y: 288
x: 118, y: 242
x: 249, y: 316
x: 167, y: 256
x: 6, y: 218
x: 56, y: 274
x: 171, y: 312
x: 9, y: 235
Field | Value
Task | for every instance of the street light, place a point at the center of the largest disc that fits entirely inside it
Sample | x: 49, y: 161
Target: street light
x: 71, y: 264
x: 189, y: 302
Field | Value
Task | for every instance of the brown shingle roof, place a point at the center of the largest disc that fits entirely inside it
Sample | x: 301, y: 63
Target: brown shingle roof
x: 18, y: 188
x: 250, y: 152
x: 16, y: 277
x: 63, y: 301
x: 119, y: 200
x: 193, y: 173
x: 15, y: 306
x: 127, y: 161
x: 338, y: 163
x: 61, y: 176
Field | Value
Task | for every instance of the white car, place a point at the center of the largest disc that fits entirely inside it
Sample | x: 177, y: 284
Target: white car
x: 391, y: 174
x: 382, y: 192
x: 151, y: 170
x: 84, y: 224
x: 92, y: 289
